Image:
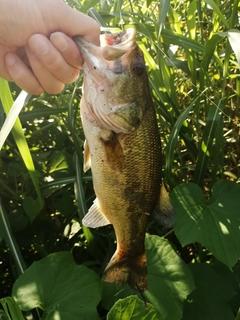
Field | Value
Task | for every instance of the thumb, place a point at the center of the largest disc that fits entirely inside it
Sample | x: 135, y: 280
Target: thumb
x: 73, y: 23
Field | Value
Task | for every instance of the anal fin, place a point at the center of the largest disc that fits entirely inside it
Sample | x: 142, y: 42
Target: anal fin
x: 95, y: 218
x: 164, y: 212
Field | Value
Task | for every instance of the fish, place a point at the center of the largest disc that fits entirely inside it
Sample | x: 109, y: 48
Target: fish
x: 123, y: 150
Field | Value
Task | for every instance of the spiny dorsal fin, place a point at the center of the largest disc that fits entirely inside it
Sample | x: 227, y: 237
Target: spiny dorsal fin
x: 95, y: 218
x: 164, y: 211
x: 87, y: 157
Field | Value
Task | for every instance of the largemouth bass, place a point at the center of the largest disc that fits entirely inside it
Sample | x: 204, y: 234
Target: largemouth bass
x: 123, y: 150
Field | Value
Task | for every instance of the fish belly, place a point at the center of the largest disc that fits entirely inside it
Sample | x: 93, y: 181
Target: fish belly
x: 126, y: 170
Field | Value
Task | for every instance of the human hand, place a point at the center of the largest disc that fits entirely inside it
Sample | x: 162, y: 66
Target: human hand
x: 36, y: 49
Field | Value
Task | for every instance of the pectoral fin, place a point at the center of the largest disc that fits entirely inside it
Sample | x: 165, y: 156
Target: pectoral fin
x: 95, y: 218
x: 86, y: 157
x: 164, y: 212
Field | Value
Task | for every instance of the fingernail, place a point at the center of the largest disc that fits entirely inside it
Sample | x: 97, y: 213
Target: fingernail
x: 39, y: 44
x: 10, y: 59
x: 59, y: 41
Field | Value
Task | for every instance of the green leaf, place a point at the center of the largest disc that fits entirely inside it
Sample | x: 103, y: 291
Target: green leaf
x: 12, y: 114
x: 132, y: 308
x: 111, y: 293
x: 3, y: 315
x: 18, y: 133
x: 238, y: 315
x: 169, y: 279
x: 163, y: 9
x: 6, y: 233
x: 12, y: 310
x: 205, y: 151
x: 173, y: 138
x: 62, y: 289
x: 214, y: 223
x: 209, y: 52
x: 32, y: 207
x: 234, y: 39
x: 212, y: 297
x: 217, y: 11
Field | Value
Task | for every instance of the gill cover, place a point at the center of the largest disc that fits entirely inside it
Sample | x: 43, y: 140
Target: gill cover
x: 115, y: 105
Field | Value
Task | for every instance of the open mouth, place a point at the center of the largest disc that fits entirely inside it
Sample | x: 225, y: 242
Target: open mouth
x: 113, y: 46
x: 117, y: 44
x: 121, y: 39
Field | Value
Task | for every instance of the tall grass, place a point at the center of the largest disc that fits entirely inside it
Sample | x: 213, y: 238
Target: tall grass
x: 193, y: 65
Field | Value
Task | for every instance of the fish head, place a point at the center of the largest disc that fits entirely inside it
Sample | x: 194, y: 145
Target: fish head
x: 115, y: 81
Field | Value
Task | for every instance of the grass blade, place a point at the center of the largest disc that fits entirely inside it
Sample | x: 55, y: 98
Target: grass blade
x: 234, y: 40
x: 10, y: 241
x: 17, y: 131
x: 217, y: 11
x: 11, y: 309
x: 12, y: 116
x: 163, y: 9
x: 206, y: 146
x: 173, y: 138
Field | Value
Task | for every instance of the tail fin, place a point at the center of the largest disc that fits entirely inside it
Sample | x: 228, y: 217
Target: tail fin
x: 128, y: 269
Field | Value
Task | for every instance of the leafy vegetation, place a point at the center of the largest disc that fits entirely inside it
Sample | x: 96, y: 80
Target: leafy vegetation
x: 192, y: 55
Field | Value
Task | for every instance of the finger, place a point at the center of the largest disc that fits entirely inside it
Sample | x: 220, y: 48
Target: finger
x: 76, y: 23
x: 47, y: 80
x: 21, y: 75
x: 68, y: 49
x: 3, y: 68
x: 51, y: 59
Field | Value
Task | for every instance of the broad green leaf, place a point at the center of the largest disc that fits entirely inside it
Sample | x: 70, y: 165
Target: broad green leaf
x: 32, y: 207
x: 132, y: 308
x: 212, y: 298
x: 59, y: 161
x: 62, y: 289
x: 111, y: 293
x: 214, y: 223
x: 169, y: 279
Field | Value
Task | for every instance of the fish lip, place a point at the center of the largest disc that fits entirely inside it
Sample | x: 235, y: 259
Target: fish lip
x: 119, y: 40
x: 112, y: 46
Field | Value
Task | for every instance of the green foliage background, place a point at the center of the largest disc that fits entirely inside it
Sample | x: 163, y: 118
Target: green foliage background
x: 192, y: 54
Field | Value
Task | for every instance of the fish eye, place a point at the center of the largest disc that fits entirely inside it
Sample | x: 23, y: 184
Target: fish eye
x: 138, y: 68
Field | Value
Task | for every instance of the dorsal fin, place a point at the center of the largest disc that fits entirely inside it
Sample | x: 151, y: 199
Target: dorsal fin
x: 95, y: 218
x: 86, y: 157
x: 164, y: 212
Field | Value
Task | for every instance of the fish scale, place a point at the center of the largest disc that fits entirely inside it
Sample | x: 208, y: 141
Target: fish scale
x: 123, y: 149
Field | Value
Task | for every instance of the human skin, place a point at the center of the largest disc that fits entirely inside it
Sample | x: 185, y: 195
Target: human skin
x: 36, y: 49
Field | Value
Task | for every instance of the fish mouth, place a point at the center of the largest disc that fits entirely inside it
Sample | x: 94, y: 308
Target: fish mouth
x: 116, y: 45
x: 112, y: 46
